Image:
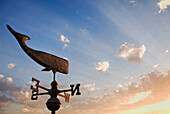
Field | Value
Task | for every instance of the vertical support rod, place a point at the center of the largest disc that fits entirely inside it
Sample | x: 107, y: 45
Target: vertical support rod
x: 52, y: 112
x: 54, y: 76
x: 54, y: 72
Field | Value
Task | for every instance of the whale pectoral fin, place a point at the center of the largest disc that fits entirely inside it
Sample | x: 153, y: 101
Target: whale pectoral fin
x: 46, y: 69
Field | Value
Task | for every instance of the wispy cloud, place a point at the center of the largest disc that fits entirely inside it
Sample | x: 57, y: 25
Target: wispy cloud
x: 11, y: 65
x: 131, y: 52
x: 151, y: 88
x: 19, y: 95
x: 163, y: 4
x: 88, y: 87
x: 102, y: 66
x: 137, y: 97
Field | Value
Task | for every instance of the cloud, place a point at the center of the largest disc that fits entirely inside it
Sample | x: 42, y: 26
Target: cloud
x: 88, y: 87
x: 65, y: 45
x: 167, y: 51
x: 156, y: 66
x: 1, y: 76
x: 26, y: 110
x: 102, y: 66
x: 132, y: 1
x: 11, y: 65
x: 9, y: 79
x: 163, y: 4
x: 131, y: 52
x: 150, y: 89
x: 6, y: 85
x: 130, y: 77
x: 137, y: 97
x: 19, y: 95
x: 3, y: 101
x: 64, y: 39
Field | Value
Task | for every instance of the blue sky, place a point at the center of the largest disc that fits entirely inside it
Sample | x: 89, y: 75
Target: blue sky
x: 107, y: 42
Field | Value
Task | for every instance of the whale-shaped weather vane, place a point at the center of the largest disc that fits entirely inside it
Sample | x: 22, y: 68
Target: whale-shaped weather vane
x: 50, y: 62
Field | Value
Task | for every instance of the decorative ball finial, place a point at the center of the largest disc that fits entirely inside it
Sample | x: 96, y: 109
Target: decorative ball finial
x: 53, y: 104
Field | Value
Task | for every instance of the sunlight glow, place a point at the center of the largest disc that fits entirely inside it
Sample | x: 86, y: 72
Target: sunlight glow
x: 137, y: 97
x: 157, y: 108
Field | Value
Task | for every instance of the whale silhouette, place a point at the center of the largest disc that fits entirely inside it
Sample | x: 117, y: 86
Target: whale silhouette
x: 49, y: 61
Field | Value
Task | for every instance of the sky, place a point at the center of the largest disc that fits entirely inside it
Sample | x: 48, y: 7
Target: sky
x: 118, y: 50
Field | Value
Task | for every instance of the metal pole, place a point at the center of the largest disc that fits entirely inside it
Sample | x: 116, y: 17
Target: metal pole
x: 52, y: 112
x: 54, y: 76
x: 54, y: 72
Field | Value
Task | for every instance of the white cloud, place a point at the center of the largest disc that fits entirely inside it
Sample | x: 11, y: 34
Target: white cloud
x: 1, y: 76
x: 9, y: 79
x: 167, y: 51
x: 130, y: 77
x: 64, y: 39
x: 65, y: 45
x: 132, y: 1
x: 156, y: 66
x: 163, y: 4
x: 88, y: 87
x: 11, y: 65
x: 131, y: 52
x: 102, y: 66
x: 119, y: 86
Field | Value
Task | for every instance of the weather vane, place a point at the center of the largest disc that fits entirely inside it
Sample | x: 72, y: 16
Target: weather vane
x: 50, y: 62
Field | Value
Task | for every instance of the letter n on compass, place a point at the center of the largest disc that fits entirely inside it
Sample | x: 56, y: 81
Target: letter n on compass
x: 74, y: 90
